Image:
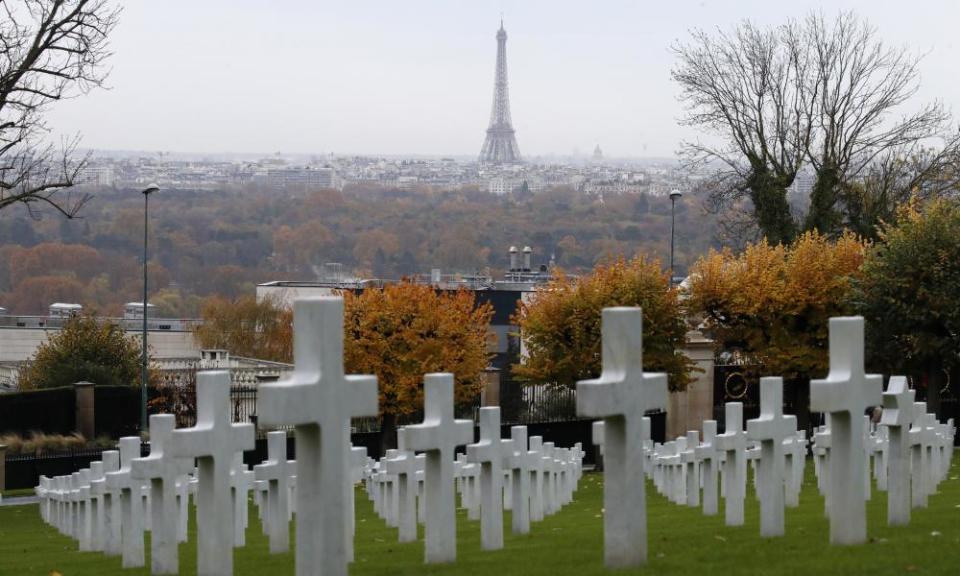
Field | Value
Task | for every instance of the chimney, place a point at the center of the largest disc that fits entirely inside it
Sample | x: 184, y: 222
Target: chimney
x: 514, y: 259
x: 527, y: 253
x: 435, y: 276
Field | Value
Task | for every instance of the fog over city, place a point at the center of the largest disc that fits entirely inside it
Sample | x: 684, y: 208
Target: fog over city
x: 404, y: 78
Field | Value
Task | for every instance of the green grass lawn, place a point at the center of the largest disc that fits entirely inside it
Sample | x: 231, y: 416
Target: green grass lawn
x: 682, y: 542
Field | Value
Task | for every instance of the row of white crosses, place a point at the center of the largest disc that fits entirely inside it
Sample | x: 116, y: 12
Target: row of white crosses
x: 911, y: 453
x: 624, y: 392
x: 121, y: 497
x: 542, y: 478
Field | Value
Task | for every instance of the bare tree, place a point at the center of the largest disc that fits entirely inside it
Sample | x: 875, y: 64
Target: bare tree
x: 49, y: 50
x: 809, y: 93
x: 745, y: 89
x: 911, y: 171
x: 860, y: 83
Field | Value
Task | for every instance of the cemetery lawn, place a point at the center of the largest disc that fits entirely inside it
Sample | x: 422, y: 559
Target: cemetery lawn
x: 682, y: 542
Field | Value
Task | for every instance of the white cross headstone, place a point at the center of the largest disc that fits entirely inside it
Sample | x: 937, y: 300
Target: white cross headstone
x: 846, y: 393
x: 918, y: 456
x: 319, y: 401
x: 771, y: 429
x: 96, y: 506
x: 488, y: 454
x: 535, y: 454
x: 213, y: 442
x: 239, y: 485
x: 403, y: 467
x: 707, y: 453
x: 161, y: 469
x: 897, y: 416
x: 131, y: 523
x: 438, y: 436
x: 691, y: 469
x: 275, y: 472
x: 621, y: 396
x: 110, y: 503
x: 793, y: 463
x: 520, y: 467
x: 734, y: 443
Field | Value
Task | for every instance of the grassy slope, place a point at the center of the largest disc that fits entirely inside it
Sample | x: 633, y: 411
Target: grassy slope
x: 682, y: 541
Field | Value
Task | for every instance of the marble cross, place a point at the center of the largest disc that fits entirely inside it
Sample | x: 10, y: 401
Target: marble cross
x: 111, y: 504
x: 319, y: 401
x: 707, y: 453
x: 793, y: 463
x: 621, y: 396
x: 535, y: 454
x: 96, y: 506
x: 213, y: 442
x: 161, y: 470
x: 520, y: 464
x: 845, y: 394
x: 691, y: 469
x: 131, y: 522
x: 734, y: 443
x: 918, y: 455
x: 897, y: 416
x: 403, y: 467
x: 771, y: 428
x: 276, y: 472
x: 488, y: 454
x: 438, y: 436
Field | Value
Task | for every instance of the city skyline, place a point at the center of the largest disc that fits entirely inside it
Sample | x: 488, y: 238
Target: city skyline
x: 385, y: 80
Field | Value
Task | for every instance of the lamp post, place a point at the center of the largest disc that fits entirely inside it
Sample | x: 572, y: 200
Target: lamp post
x: 143, y: 367
x: 674, y: 195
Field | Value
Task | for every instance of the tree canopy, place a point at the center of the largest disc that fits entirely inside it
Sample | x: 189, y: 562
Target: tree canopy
x: 245, y: 326
x: 560, y: 325
x: 909, y: 294
x: 84, y: 350
x: 49, y: 50
x: 826, y: 96
x: 402, y: 331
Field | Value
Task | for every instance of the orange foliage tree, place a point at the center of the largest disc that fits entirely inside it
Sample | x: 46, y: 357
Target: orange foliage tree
x: 771, y: 304
x: 406, y: 330
x: 560, y: 326
x: 247, y: 327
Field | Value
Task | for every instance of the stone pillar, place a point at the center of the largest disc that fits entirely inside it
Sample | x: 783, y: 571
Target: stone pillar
x: 85, y: 409
x: 688, y: 409
x: 3, y: 468
x: 490, y: 395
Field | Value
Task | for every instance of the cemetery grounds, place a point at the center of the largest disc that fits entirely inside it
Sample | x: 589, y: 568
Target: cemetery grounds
x: 682, y: 541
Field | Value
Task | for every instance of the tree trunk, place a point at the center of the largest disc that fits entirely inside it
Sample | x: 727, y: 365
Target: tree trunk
x: 388, y: 432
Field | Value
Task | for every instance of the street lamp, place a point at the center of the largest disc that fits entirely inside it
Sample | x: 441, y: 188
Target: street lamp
x: 674, y: 195
x: 143, y: 368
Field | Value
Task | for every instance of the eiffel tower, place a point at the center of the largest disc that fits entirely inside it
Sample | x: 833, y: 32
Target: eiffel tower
x: 500, y: 146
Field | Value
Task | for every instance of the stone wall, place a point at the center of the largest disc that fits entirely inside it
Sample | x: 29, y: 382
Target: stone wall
x: 20, y: 344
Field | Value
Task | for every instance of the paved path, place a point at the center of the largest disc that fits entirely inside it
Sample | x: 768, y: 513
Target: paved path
x: 19, y: 500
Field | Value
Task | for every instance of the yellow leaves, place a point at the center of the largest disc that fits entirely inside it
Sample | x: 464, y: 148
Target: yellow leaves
x: 406, y: 330
x: 773, y: 302
x: 560, y: 325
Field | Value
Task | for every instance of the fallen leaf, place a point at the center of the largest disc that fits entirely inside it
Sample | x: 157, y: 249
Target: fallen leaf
x: 720, y: 538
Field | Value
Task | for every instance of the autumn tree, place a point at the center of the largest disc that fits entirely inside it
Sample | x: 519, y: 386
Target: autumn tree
x: 909, y: 294
x: 49, y: 50
x: 245, y: 326
x: 771, y: 304
x: 560, y: 325
x: 405, y: 330
x: 85, y: 349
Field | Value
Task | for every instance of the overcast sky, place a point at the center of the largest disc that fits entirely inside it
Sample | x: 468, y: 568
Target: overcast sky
x: 416, y: 76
